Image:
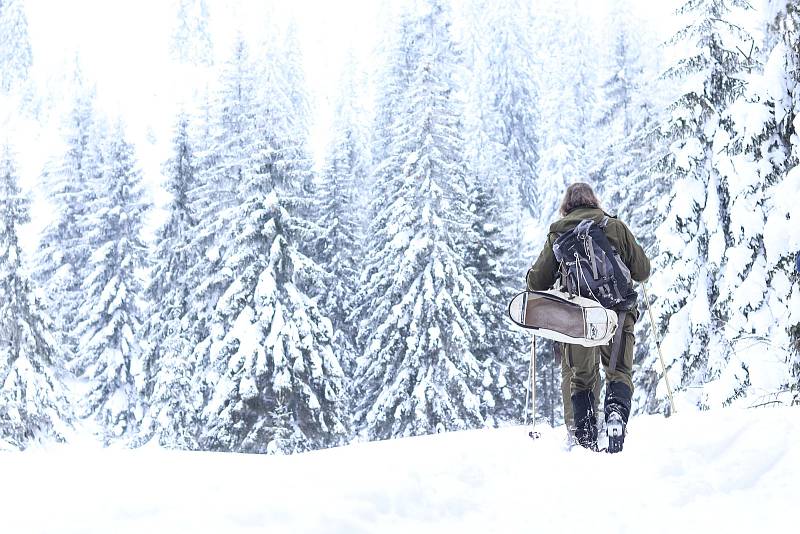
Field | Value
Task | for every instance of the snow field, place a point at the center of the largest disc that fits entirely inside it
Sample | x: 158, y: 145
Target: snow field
x: 723, y: 471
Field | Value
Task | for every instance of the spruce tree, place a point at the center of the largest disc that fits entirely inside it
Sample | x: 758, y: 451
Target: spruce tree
x: 757, y: 286
x: 629, y: 116
x: 417, y: 312
x: 191, y: 40
x: 505, y: 59
x: 501, y: 350
x: 63, y: 254
x: 33, y: 399
x: 224, y: 148
x: 626, y: 100
x: 16, y: 56
x: 566, y: 99
x: 785, y: 28
x: 110, y: 314
x: 276, y: 383
x: 695, y: 232
x: 280, y: 386
x: 393, y: 77
x: 495, y: 254
x: 167, y: 368
x: 339, y: 213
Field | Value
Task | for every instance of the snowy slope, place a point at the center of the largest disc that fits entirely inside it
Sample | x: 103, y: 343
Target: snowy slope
x: 723, y: 471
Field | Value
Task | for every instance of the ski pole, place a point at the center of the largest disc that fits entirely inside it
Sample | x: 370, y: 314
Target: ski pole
x: 528, y: 395
x: 532, y: 377
x: 658, y: 346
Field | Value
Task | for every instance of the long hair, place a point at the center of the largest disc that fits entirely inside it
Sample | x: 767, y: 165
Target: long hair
x: 578, y: 195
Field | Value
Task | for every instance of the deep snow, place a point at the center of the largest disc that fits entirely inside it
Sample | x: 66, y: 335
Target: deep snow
x: 726, y: 471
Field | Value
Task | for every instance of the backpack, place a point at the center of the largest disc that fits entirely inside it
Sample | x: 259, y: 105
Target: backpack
x: 591, y: 267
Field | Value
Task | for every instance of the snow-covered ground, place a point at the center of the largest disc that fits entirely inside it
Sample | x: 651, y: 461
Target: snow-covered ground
x: 723, y: 471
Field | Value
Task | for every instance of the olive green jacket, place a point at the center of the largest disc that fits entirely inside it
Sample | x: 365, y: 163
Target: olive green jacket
x: 544, y: 272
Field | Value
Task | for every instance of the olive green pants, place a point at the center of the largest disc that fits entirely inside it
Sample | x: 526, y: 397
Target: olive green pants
x: 566, y: 379
x: 580, y: 368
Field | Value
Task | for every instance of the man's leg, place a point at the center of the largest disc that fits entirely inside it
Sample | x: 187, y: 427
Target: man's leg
x: 584, y: 377
x: 619, y: 384
x: 566, y: 395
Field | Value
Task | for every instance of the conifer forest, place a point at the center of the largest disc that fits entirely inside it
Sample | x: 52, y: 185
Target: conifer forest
x: 219, y: 272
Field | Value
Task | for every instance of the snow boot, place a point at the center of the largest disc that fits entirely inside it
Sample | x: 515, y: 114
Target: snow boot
x: 617, y: 409
x: 585, y: 426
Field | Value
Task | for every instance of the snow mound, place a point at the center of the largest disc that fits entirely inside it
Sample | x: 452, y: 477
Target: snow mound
x: 722, y: 471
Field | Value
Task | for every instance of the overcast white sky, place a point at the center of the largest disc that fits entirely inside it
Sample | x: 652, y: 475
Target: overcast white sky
x: 124, y: 45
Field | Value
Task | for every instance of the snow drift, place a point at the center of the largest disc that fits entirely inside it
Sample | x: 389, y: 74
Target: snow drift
x: 722, y: 471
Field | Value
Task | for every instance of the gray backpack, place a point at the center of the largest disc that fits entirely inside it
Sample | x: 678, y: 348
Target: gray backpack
x: 590, y: 266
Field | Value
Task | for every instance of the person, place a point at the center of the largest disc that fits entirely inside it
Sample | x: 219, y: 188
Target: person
x: 580, y: 203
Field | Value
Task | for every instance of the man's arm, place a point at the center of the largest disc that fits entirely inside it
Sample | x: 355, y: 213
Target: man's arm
x: 639, y: 263
x: 543, y: 273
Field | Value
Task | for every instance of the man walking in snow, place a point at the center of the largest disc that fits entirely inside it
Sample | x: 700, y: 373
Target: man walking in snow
x: 580, y: 203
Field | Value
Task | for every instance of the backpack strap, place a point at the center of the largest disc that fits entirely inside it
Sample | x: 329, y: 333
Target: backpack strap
x: 566, y: 282
x: 592, y: 259
x: 616, y: 345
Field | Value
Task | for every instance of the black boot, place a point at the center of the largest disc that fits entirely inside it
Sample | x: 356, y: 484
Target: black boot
x: 585, y: 424
x: 618, y: 409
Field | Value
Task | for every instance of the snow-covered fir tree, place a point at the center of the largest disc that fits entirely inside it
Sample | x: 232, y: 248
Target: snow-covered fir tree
x: 626, y: 101
x: 584, y: 64
x: 280, y: 387
x: 418, y: 310
x: 500, y: 350
x: 695, y: 233
x: 393, y: 78
x: 33, y: 399
x: 783, y: 70
x: 225, y: 146
x: 16, y: 56
x: 191, y: 39
x: 565, y: 103
x: 759, y: 284
x: 341, y: 211
x: 111, y: 315
x: 495, y: 256
x: 64, y: 250
x: 172, y: 404
x: 624, y: 71
x: 505, y: 58
x: 286, y: 115
x: 277, y: 383
x: 628, y: 118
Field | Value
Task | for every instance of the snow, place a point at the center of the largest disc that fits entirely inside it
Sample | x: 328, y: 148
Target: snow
x: 781, y: 236
x: 727, y: 470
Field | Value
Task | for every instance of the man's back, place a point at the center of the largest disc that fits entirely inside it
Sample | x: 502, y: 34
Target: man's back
x: 543, y: 273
